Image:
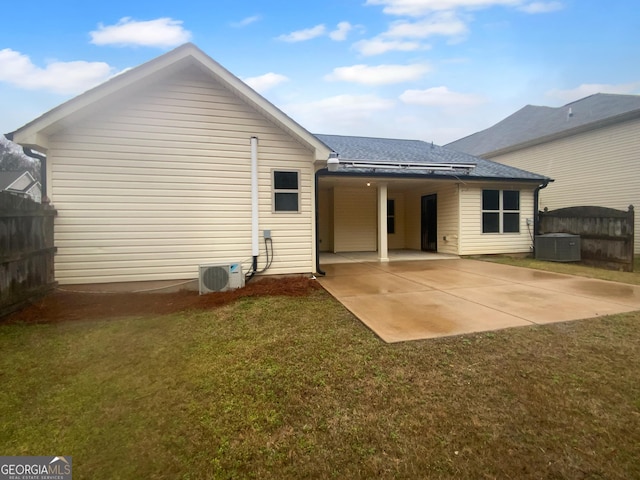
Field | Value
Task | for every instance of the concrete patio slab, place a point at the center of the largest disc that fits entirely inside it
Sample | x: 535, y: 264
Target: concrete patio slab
x: 411, y: 300
x: 609, y: 291
x: 448, y: 278
x: 537, y: 305
x: 376, y: 283
x: 417, y: 315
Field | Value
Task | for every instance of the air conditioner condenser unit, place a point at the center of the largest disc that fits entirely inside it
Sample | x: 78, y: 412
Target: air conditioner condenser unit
x: 220, y: 277
x: 558, y: 247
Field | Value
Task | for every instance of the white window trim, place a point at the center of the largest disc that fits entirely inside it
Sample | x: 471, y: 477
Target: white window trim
x: 275, y: 190
x: 501, y: 211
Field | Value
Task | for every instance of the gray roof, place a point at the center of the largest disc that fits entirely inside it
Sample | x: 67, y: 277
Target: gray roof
x: 532, y: 122
x: 7, y: 178
x: 416, y: 153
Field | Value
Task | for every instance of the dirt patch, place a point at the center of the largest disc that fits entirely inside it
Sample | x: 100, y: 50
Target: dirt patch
x: 62, y: 306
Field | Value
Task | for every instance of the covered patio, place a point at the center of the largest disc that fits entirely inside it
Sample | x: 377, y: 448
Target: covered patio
x: 382, y: 195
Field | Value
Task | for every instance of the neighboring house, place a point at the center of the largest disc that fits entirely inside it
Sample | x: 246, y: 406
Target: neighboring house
x: 21, y: 183
x: 178, y: 163
x: 591, y: 147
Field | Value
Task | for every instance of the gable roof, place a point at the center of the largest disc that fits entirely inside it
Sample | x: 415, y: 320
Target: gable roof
x: 9, y: 178
x: 533, y: 124
x: 34, y: 134
x: 414, y: 157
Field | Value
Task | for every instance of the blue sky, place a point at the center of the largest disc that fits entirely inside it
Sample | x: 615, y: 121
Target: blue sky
x: 434, y: 70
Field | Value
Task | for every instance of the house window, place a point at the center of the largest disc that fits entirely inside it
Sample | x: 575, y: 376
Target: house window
x: 286, y: 191
x: 391, y: 216
x: 500, y: 211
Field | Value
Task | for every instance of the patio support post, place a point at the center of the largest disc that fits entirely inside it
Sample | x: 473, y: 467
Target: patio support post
x: 383, y: 248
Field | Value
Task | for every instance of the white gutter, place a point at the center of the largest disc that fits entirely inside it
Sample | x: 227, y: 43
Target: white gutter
x: 407, y: 165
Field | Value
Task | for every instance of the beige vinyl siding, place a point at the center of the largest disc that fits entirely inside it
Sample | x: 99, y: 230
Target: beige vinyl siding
x: 447, y: 212
x: 448, y: 219
x: 599, y: 167
x: 473, y: 241
x: 397, y: 240
x: 160, y: 183
x: 355, y: 219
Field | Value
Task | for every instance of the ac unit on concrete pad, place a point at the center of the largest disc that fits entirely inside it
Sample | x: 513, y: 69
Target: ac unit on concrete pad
x: 558, y: 247
x: 220, y: 277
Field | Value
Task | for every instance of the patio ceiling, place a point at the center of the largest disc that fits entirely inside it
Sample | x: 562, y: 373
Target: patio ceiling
x: 394, y: 183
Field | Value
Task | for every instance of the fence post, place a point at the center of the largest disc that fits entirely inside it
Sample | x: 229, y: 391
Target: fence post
x: 632, y: 229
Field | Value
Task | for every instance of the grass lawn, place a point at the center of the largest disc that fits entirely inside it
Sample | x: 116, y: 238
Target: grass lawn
x: 573, y: 268
x: 281, y: 387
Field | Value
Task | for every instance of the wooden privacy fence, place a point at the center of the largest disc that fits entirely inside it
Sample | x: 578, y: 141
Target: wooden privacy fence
x: 26, y: 250
x: 606, y: 234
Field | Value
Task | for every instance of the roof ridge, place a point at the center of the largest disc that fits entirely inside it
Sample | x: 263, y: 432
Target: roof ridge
x: 369, y: 137
x: 530, y: 122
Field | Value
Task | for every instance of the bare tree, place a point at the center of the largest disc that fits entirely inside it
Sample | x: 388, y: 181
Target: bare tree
x: 12, y: 159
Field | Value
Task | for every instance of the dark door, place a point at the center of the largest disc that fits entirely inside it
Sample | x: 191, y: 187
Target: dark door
x: 429, y: 223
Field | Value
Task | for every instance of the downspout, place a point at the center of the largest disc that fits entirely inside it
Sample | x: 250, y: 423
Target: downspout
x: 536, y: 213
x: 333, y: 162
x: 43, y: 168
x: 319, y: 270
x: 255, y: 247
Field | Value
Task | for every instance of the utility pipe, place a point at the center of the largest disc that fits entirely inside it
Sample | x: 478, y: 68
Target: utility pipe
x: 255, y: 223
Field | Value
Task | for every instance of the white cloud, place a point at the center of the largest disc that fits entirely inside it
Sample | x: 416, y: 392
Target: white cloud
x: 421, y: 7
x: 265, y: 82
x: 440, y: 97
x: 246, y: 21
x: 378, y: 46
x: 444, y: 23
x: 162, y: 32
x: 59, y: 77
x: 345, y: 114
x: 341, y: 31
x: 379, y: 74
x: 359, y: 105
x: 304, y: 35
x: 402, y: 35
x: 542, y: 7
x: 587, y: 89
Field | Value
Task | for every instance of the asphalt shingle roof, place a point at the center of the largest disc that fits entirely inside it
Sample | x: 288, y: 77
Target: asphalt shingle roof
x: 7, y: 178
x: 533, y: 122
x: 379, y: 150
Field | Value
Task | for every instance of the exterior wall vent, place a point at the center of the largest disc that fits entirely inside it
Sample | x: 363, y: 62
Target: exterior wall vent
x: 220, y: 277
x: 558, y: 247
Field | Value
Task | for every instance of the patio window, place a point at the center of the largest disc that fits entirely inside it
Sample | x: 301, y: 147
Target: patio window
x: 500, y: 211
x: 286, y: 191
x: 391, y: 216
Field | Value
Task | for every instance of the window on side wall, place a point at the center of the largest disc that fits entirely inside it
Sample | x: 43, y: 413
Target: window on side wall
x: 286, y: 191
x: 500, y: 211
